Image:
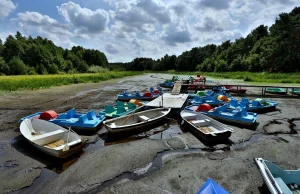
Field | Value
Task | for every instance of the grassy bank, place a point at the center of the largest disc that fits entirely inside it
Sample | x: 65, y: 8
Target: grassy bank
x: 291, y: 78
x: 32, y: 82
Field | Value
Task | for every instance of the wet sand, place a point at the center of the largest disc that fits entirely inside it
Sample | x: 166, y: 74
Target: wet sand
x: 166, y: 159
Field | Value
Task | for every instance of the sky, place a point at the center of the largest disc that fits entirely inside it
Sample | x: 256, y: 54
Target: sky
x: 126, y: 29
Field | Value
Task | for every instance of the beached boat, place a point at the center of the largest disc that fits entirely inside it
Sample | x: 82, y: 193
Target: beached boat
x: 137, y: 121
x: 295, y: 91
x: 205, y: 127
x: 158, y: 90
x: 211, y: 187
x: 137, y: 96
x: 277, y: 180
x: 51, y: 138
x: 276, y: 90
x: 211, y: 100
x: 238, y: 117
x: 167, y: 84
x: 83, y: 121
x: 257, y: 105
x: 121, y: 109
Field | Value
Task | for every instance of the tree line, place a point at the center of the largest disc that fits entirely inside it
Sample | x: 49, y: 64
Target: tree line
x: 20, y: 55
x: 274, y: 49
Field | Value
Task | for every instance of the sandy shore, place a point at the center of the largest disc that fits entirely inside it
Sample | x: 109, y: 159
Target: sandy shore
x: 163, y: 160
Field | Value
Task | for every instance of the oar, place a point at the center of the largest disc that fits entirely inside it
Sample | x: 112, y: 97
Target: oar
x: 66, y: 147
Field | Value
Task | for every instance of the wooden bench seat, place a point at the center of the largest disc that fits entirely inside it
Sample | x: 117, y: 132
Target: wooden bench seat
x: 143, y: 118
x: 49, y: 137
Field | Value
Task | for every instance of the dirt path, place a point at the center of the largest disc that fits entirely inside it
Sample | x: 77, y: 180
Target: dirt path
x: 164, y: 160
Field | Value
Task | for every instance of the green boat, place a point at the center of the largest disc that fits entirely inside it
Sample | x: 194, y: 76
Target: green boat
x: 276, y: 90
x: 295, y: 91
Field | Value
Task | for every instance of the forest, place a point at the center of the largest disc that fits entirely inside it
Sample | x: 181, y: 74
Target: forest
x: 265, y: 49
x: 274, y: 49
x: 20, y: 55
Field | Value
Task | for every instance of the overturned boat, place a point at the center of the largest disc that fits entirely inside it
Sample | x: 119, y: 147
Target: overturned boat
x: 51, y: 138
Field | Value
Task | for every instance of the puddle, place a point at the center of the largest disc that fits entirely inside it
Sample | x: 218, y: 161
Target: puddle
x: 166, y: 130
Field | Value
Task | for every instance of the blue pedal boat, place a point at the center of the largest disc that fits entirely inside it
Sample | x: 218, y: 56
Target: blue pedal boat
x: 158, y: 90
x: 211, y: 187
x: 84, y: 121
x: 120, y: 109
x: 147, y: 96
x: 238, y: 117
x: 167, y: 84
x: 211, y: 100
x: 278, y: 180
x: 257, y: 105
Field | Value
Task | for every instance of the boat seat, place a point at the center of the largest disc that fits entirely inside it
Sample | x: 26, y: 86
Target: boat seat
x: 284, y: 188
x: 48, y: 137
x: 143, y: 118
x: 200, y: 123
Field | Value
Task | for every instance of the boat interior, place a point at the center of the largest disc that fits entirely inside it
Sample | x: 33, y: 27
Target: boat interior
x: 49, y: 135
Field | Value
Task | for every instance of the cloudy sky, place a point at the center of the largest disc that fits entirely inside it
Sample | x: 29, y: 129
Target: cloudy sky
x: 126, y: 29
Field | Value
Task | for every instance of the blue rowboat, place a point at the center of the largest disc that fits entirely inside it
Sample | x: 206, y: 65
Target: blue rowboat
x: 84, y: 121
x: 211, y: 187
x: 278, y: 181
x: 238, y: 117
x: 120, y: 109
x: 137, y: 96
x: 257, y: 105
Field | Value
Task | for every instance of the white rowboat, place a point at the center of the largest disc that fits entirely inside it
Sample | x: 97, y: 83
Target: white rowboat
x: 136, y: 121
x: 205, y: 127
x: 51, y: 138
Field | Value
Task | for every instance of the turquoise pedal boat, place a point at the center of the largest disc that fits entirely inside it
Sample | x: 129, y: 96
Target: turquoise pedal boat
x: 279, y: 181
x: 120, y: 109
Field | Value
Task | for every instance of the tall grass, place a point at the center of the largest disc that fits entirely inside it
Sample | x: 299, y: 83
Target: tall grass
x: 32, y: 82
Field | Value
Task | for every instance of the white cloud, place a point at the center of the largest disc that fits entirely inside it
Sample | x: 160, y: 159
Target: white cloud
x: 126, y: 29
x: 6, y: 7
x: 84, y: 20
x: 43, y: 25
x: 111, y: 49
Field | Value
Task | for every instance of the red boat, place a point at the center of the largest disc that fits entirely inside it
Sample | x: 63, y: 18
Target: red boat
x: 238, y: 89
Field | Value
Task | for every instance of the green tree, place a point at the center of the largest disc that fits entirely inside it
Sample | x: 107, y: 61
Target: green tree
x: 17, y: 66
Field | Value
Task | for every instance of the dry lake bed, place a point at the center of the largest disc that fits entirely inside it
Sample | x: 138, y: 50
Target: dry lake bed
x: 166, y: 159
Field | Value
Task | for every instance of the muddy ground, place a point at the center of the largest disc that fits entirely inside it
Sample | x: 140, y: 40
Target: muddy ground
x: 166, y: 159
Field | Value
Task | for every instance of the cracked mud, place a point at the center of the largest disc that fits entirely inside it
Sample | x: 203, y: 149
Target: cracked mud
x: 166, y: 159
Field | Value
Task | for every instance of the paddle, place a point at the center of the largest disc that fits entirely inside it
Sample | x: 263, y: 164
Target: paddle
x: 66, y: 147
